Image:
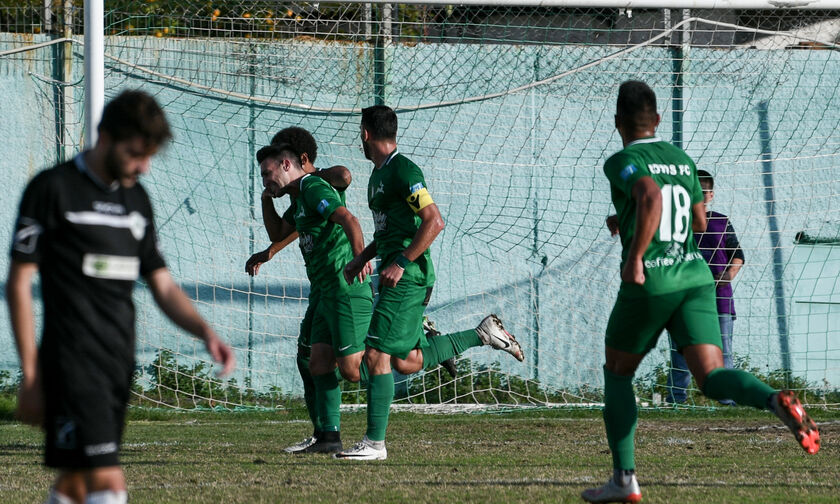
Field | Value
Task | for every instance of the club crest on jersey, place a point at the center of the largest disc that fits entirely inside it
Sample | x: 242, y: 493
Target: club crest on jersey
x: 323, y: 205
x: 137, y: 225
x: 627, y: 172
x: 379, y: 221
x: 378, y: 190
x: 674, y: 250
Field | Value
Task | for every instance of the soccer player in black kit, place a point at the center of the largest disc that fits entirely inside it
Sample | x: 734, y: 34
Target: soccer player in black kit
x: 86, y: 226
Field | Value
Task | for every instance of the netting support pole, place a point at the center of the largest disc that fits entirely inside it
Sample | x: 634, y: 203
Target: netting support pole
x: 62, y: 70
x: 383, y: 41
x: 775, y: 237
x: 94, y: 67
x: 48, y: 13
x: 252, y: 153
x: 368, y: 21
x: 535, y: 197
x: 679, y: 53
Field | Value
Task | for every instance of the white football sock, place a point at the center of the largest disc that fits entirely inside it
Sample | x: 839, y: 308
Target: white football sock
x: 107, y: 497
x: 58, y: 498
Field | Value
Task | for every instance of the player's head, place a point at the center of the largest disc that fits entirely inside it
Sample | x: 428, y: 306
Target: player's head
x: 635, y: 115
x: 279, y: 166
x: 379, y: 123
x: 301, y: 141
x: 133, y: 128
x: 707, y: 183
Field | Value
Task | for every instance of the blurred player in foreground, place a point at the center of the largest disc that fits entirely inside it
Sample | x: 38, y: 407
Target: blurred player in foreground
x: 87, y: 227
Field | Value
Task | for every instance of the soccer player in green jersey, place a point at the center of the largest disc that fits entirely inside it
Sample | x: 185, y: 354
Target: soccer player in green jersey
x: 339, y: 310
x: 406, y: 223
x: 281, y: 234
x: 665, y: 284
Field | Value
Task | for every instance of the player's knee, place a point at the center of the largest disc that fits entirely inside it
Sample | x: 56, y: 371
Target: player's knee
x: 350, y: 374
x: 377, y: 362
x: 620, y: 368
x: 317, y: 368
x: 72, y: 485
x: 407, y: 367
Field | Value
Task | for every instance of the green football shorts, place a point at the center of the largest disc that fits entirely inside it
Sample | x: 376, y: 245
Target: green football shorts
x: 690, y: 316
x: 396, y: 327
x: 342, y: 321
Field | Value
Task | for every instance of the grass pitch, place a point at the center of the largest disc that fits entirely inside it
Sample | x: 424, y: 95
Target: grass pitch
x: 733, y: 455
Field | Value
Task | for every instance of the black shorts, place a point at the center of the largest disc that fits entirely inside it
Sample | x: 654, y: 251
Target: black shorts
x: 84, y: 417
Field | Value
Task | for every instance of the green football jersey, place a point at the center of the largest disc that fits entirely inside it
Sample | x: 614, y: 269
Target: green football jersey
x: 396, y: 193
x: 672, y: 261
x: 323, y: 244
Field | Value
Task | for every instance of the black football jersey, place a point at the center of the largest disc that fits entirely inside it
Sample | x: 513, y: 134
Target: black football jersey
x: 91, y: 243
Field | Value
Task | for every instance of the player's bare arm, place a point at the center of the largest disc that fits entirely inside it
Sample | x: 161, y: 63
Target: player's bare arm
x: 699, y: 222
x: 729, y: 273
x: 355, y: 266
x: 337, y: 176
x: 350, y: 224
x: 252, y: 265
x: 430, y: 227
x: 30, y: 407
x: 271, y: 220
x: 648, y: 198
x: 175, y: 304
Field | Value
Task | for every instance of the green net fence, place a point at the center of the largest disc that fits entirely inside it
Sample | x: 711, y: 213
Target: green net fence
x: 509, y: 112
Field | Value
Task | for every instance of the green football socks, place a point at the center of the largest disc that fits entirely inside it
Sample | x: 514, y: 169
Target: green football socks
x: 738, y: 385
x: 620, y: 416
x: 308, y: 390
x: 446, y: 346
x: 440, y: 348
x: 328, y: 401
x: 380, y: 395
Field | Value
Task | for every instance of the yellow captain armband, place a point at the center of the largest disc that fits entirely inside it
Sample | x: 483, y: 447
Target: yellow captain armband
x: 419, y: 198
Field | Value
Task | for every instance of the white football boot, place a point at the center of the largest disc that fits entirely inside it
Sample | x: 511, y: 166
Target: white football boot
x: 613, y: 492
x: 492, y: 332
x: 364, y: 450
x: 303, y: 445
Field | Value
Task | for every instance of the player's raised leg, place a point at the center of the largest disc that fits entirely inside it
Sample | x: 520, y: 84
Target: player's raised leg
x: 443, y: 348
x: 718, y: 382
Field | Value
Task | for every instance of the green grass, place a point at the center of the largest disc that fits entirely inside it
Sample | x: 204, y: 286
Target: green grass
x: 533, y: 456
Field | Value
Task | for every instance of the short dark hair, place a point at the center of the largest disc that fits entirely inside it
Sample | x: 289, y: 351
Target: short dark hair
x: 636, y: 106
x: 706, y: 178
x: 380, y: 121
x: 300, y: 140
x: 277, y: 150
x: 132, y: 114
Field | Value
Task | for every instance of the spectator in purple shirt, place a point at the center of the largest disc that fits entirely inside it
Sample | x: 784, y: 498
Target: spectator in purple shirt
x: 721, y: 249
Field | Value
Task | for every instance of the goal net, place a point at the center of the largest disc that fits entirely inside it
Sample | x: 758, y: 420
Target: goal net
x: 509, y: 112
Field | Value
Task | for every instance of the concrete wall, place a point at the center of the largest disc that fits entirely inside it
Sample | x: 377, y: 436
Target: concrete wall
x: 518, y: 179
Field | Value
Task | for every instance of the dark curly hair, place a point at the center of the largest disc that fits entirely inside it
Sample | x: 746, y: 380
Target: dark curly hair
x: 299, y: 139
